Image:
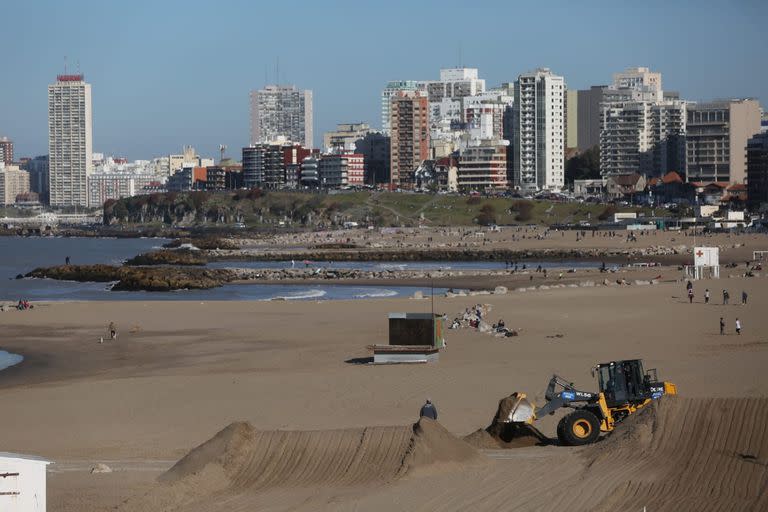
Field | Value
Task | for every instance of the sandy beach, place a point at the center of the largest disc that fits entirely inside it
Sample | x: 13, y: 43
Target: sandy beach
x: 181, y: 371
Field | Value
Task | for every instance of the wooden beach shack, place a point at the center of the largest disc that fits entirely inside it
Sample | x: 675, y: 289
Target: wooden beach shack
x: 413, y: 338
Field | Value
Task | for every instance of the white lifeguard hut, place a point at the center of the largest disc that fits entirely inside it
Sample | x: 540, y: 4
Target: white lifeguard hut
x: 706, y: 263
x: 22, y: 482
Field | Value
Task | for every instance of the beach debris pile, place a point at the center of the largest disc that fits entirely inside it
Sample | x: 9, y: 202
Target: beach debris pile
x: 477, y: 317
x: 100, y: 468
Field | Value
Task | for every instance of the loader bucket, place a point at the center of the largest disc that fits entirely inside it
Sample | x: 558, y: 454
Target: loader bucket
x: 516, y: 408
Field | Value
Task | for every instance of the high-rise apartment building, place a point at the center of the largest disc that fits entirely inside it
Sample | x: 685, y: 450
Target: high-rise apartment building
x: 632, y: 84
x: 70, y: 140
x: 393, y: 88
x: 538, y: 145
x: 38, y: 176
x: 757, y: 172
x: 13, y: 181
x: 409, y: 136
x: 281, y: 113
x: 6, y: 150
x: 642, y: 137
x: 588, y: 130
x: 716, y: 139
x: 642, y: 129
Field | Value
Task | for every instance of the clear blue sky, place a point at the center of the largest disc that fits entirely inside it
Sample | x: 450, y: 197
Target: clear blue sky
x: 166, y: 73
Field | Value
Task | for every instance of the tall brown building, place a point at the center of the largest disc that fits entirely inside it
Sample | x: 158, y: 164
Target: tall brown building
x: 409, y: 129
x: 6, y: 150
x: 716, y: 139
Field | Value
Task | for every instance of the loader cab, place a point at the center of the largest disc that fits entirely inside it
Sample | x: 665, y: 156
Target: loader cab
x: 623, y: 382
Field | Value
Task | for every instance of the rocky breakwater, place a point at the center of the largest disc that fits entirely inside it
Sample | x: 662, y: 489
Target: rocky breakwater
x: 127, y: 278
x: 249, y: 274
x: 186, y: 257
x: 407, y: 254
x: 204, y: 243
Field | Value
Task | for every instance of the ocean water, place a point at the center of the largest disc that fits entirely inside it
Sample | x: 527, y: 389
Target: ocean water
x: 19, y: 255
x: 8, y: 359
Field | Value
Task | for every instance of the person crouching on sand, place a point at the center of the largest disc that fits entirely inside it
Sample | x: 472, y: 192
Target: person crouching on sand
x: 428, y: 410
x: 112, y: 331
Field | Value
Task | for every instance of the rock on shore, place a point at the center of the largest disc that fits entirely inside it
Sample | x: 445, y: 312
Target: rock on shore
x: 168, y: 257
x: 138, y: 278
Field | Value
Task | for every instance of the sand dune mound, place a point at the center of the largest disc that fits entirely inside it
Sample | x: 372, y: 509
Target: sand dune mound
x: 499, y: 434
x: 253, y: 459
x: 687, y: 454
x: 241, y: 463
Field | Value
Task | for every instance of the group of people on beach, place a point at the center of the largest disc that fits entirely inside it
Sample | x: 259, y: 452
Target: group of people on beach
x: 24, y: 305
x: 726, y: 301
x: 707, y: 295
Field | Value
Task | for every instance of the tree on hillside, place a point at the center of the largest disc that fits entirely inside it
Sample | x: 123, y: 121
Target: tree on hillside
x: 585, y: 166
x: 487, y: 215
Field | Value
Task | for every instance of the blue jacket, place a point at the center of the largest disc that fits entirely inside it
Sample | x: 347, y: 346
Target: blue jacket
x: 429, y: 410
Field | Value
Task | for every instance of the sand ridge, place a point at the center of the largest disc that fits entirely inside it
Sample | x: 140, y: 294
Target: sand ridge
x: 687, y: 454
x: 240, y: 459
x: 676, y: 454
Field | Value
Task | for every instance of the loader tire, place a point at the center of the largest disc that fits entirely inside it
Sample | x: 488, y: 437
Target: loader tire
x: 578, y: 428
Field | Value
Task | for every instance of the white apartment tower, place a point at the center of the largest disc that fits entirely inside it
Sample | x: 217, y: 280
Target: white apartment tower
x: 70, y: 140
x: 538, y: 142
x: 640, y: 130
x: 281, y: 113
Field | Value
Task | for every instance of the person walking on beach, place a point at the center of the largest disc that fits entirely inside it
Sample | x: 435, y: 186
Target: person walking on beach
x: 722, y: 326
x: 66, y: 260
x: 428, y: 410
x: 689, y: 286
x: 743, y: 298
x: 706, y: 296
x: 112, y: 331
x: 690, y: 295
x: 725, y: 297
x: 738, y: 327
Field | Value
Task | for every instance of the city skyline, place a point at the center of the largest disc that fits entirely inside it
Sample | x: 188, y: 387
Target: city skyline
x: 155, y: 90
